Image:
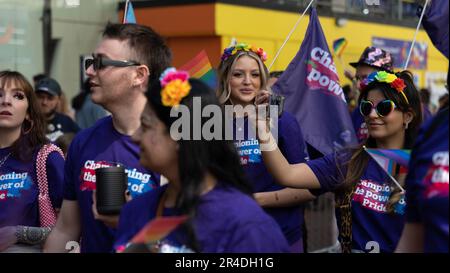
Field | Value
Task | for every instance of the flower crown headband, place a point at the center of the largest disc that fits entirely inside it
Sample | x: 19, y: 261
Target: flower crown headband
x: 383, y: 76
x: 175, y: 86
x: 230, y: 51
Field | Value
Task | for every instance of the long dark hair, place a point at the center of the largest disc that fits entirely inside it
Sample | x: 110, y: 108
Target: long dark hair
x: 32, y: 135
x: 359, y: 159
x: 198, y: 157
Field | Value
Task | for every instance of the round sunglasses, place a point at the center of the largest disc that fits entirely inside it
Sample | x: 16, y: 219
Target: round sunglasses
x: 382, y: 109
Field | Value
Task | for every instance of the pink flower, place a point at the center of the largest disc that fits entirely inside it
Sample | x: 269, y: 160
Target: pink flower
x: 172, y: 75
x: 398, y: 84
x: 262, y: 54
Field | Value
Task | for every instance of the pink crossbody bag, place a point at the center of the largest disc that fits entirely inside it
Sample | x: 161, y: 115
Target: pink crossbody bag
x: 47, y: 214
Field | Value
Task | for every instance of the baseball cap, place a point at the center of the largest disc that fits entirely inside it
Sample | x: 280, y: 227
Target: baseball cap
x: 377, y: 58
x: 49, y: 86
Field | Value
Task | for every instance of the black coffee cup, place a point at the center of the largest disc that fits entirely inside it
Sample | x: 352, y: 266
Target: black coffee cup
x: 111, y: 186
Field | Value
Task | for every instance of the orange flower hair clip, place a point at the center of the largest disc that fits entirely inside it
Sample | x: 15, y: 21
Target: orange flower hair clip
x: 175, y: 86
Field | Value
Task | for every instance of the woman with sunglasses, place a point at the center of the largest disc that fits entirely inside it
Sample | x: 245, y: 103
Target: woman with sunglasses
x: 370, y: 206
x: 24, y: 223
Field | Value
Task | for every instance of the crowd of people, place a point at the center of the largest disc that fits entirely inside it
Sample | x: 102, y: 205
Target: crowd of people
x: 240, y: 194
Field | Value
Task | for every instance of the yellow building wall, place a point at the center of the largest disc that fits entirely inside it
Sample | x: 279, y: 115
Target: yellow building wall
x: 268, y: 29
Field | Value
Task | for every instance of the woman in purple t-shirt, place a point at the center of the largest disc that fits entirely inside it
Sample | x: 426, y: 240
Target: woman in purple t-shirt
x: 242, y: 75
x: 426, y: 228
x: 370, y: 206
x: 22, y: 134
x: 206, y: 182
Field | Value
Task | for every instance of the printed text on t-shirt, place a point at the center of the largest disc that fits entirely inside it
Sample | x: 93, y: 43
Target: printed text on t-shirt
x: 138, y: 182
x: 12, y: 184
x: 374, y: 196
x: 249, y: 151
x: 436, y: 180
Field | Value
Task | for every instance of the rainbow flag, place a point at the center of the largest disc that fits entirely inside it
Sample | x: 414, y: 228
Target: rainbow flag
x: 128, y: 15
x: 339, y: 46
x: 389, y: 158
x: 157, y: 229
x: 200, y: 68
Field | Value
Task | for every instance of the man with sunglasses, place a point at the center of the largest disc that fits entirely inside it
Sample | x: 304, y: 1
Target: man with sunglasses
x: 127, y: 58
x: 372, y: 59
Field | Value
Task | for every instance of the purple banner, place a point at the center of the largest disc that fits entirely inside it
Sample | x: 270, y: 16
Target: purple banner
x: 435, y: 23
x: 313, y: 94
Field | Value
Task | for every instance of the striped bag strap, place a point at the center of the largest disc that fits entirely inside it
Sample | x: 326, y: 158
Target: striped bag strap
x: 47, y: 214
x: 344, y: 204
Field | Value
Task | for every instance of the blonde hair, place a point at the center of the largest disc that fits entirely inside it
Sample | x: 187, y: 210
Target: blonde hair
x: 226, y: 68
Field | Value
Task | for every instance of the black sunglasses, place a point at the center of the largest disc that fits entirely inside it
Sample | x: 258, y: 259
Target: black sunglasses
x: 382, y: 109
x: 100, y: 62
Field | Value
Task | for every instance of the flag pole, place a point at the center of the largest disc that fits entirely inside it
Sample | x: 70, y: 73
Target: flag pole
x: 290, y: 34
x: 415, y: 35
x: 125, y: 12
x: 340, y: 61
x: 390, y: 176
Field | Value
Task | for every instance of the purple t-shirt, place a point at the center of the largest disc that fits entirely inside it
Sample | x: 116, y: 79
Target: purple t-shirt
x: 292, y: 146
x: 227, y: 221
x: 95, y: 147
x: 427, y: 185
x: 19, y: 191
x: 371, y: 224
x: 426, y: 113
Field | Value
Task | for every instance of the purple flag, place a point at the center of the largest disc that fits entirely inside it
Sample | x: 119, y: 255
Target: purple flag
x: 435, y: 22
x: 313, y: 94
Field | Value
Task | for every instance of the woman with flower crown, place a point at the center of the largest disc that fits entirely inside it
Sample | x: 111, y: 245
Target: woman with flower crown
x: 242, y: 76
x: 206, y: 182
x: 370, y: 204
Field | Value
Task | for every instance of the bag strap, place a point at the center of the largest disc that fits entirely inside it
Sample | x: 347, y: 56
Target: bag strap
x: 47, y: 214
x: 344, y: 204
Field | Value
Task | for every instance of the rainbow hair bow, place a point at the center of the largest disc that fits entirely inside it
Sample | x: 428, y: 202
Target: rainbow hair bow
x: 382, y: 76
x: 230, y: 51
